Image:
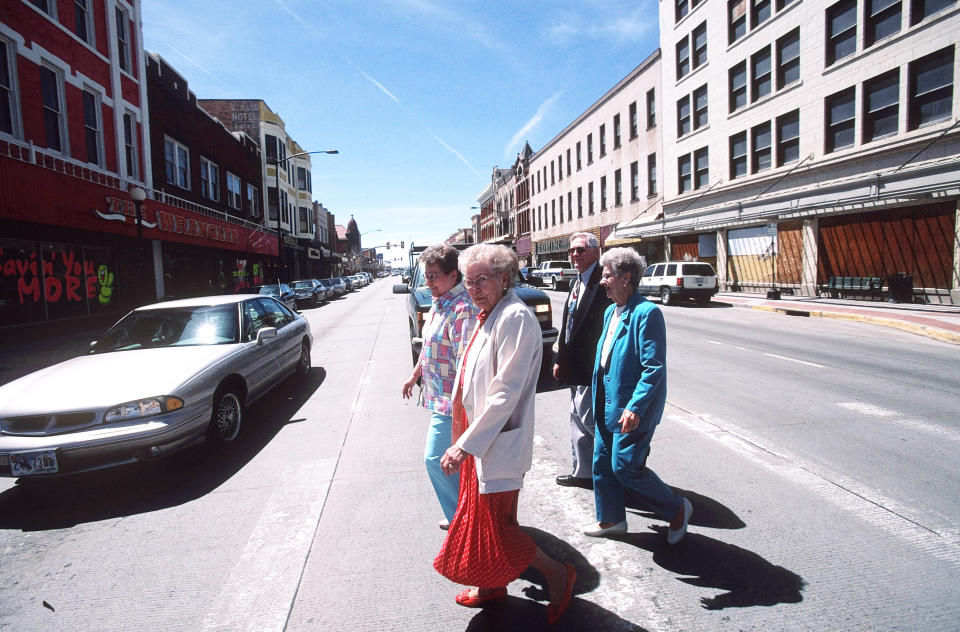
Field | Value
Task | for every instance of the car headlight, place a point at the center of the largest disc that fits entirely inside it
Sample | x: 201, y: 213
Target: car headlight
x: 142, y: 408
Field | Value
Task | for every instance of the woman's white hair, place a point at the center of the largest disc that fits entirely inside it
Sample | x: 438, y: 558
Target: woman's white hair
x: 502, y: 260
x: 621, y: 260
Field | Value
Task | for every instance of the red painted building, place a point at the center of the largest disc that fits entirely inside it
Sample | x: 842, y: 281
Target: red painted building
x: 73, y: 110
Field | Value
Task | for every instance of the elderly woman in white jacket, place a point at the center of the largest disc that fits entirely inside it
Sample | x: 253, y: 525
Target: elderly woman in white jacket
x: 493, y: 441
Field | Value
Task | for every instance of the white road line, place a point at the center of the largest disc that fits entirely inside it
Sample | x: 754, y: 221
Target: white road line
x: 714, y: 342
x: 870, y: 410
x: 780, y: 357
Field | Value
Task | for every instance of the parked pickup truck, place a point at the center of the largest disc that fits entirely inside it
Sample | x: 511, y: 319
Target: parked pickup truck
x: 555, y: 274
x: 420, y: 301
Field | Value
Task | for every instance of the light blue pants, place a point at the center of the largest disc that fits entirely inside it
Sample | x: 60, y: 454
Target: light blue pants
x: 447, y: 487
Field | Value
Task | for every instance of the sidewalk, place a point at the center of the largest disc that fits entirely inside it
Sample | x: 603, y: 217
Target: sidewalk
x: 941, y: 322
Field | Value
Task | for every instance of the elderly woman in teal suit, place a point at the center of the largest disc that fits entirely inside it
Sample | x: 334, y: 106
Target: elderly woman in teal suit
x: 630, y: 390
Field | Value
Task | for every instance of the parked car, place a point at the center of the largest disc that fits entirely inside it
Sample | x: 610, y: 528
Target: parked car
x: 334, y: 287
x: 163, y: 377
x: 348, y: 283
x: 421, y: 299
x: 309, y: 292
x: 556, y: 274
x: 528, y: 277
x: 359, y: 279
x: 280, y: 291
x: 672, y: 280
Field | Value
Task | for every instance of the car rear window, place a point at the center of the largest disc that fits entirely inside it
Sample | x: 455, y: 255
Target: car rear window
x: 698, y: 269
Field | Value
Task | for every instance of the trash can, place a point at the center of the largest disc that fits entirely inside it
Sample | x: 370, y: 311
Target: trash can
x: 900, y: 288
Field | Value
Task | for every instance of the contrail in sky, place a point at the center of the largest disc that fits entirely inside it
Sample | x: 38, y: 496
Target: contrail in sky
x: 177, y: 51
x: 456, y: 153
x: 296, y: 17
x: 529, y: 125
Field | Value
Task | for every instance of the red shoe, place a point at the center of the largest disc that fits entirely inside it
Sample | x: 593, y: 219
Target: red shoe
x: 555, y: 611
x: 494, y: 596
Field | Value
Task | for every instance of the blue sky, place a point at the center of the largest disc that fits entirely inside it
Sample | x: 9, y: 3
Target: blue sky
x: 421, y: 97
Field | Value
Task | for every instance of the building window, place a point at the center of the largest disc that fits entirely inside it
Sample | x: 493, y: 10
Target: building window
x: 53, y: 119
x: 84, y: 20
x: 841, y: 30
x: 603, y: 193
x: 8, y: 96
x: 841, y: 119
x: 590, y: 198
x: 130, y: 154
x: 302, y: 175
x: 684, y: 177
x: 579, y: 164
x: 553, y: 179
x: 589, y: 149
x: 683, y: 58
x: 569, y: 206
x: 881, y: 106
x: 634, y: 181
x: 304, y: 220
x: 700, y: 107
x: 682, y: 8
x: 617, y: 188
x: 47, y: 6
x: 762, y: 80
x: 560, y: 167
x: 788, y: 138
x: 177, y: 163
x: 560, y: 199
x: 569, y: 167
x: 579, y: 201
x: 738, y: 86
x: 651, y: 113
x: 788, y: 59
x: 125, y: 58
x: 736, y: 19
x: 209, y: 180
x: 701, y: 168
x: 882, y: 20
x: 603, y: 141
x: 931, y: 89
x: 651, y: 175
x: 233, y: 191
x: 683, y: 116
x: 922, y: 9
x: 700, y: 46
x: 760, y: 154
x: 759, y: 12
x: 92, y: 134
x: 738, y: 155
x: 616, y: 131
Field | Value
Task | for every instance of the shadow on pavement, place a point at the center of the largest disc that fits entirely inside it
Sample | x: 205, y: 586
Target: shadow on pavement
x: 63, y: 502
x: 531, y: 613
x: 747, y: 579
x: 707, y: 512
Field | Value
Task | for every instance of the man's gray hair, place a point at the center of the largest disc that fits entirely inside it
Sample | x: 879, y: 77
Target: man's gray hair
x: 501, y: 259
x: 592, y: 241
x: 621, y: 260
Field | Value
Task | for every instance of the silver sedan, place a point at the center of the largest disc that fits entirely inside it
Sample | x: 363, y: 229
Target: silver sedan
x: 162, y: 378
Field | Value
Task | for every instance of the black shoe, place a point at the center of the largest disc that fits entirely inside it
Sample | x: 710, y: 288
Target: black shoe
x: 575, y: 481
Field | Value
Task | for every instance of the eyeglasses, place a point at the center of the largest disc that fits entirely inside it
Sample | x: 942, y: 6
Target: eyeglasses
x: 472, y: 283
x: 430, y: 276
x: 607, y: 277
x: 579, y: 250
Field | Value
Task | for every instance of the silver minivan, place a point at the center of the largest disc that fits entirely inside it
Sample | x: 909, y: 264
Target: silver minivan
x: 672, y: 280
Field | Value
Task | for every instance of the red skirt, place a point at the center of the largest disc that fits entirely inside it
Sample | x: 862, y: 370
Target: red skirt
x: 485, y: 546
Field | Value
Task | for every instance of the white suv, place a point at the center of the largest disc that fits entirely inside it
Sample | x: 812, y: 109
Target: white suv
x: 673, y: 280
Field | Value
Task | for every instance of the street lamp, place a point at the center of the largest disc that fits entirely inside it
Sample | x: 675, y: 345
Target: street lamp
x: 276, y: 175
x: 138, y: 195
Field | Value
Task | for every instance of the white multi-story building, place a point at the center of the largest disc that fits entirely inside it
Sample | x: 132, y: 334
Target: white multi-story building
x: 602, y: 169
x: 808, y: 140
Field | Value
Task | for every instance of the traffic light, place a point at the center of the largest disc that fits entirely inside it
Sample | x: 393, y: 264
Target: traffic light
x: 401, y: 245
x: 388, y: 245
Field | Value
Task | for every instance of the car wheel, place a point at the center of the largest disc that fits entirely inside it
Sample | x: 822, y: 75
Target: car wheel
x: 227, y: 417
x: 703, y: 300
x: 665, y: 295
x: 303, y: 364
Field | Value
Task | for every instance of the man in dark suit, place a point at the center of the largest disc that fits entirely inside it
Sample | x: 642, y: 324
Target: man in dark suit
x: 577, y: 351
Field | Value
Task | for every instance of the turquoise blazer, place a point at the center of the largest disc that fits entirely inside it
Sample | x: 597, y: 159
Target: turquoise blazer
x: 636, y: 375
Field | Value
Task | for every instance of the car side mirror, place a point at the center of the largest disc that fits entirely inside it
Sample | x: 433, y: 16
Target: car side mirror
x: 265, y: 333
x: 401, y: 289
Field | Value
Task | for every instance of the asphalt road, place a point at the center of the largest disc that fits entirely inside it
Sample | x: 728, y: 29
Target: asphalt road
x: 812, y: 511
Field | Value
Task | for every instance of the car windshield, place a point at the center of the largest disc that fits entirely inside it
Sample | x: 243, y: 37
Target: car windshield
x: 173, y: 327
x: 303, y: 285
x: 326, y: 282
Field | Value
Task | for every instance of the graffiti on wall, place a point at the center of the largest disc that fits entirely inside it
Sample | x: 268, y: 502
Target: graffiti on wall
x: 60, y: 275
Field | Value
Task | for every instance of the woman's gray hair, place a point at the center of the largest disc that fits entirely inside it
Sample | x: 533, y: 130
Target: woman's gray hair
x: 501, y: 259
x: 621, y: 260
x: 592, y: 241
x: 444, y: 256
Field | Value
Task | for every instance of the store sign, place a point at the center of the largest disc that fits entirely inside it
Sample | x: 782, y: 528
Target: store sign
x: 179, y: 225
x: 313, y: 253
x: 557, y: 244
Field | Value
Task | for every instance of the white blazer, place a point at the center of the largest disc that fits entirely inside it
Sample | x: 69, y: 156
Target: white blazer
x: 499, y: 386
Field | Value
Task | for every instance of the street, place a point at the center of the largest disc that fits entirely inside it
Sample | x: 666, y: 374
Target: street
x: 820, y: 457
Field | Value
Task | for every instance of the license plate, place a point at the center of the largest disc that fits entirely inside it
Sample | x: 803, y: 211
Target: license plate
x: 30, y: 463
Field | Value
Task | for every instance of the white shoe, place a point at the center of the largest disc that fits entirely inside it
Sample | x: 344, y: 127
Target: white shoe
x: 594, y: 530
x: 444, y: 524
x: 675, y: 536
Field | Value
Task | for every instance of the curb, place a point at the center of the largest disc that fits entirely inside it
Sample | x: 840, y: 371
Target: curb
x: 920, y: 330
